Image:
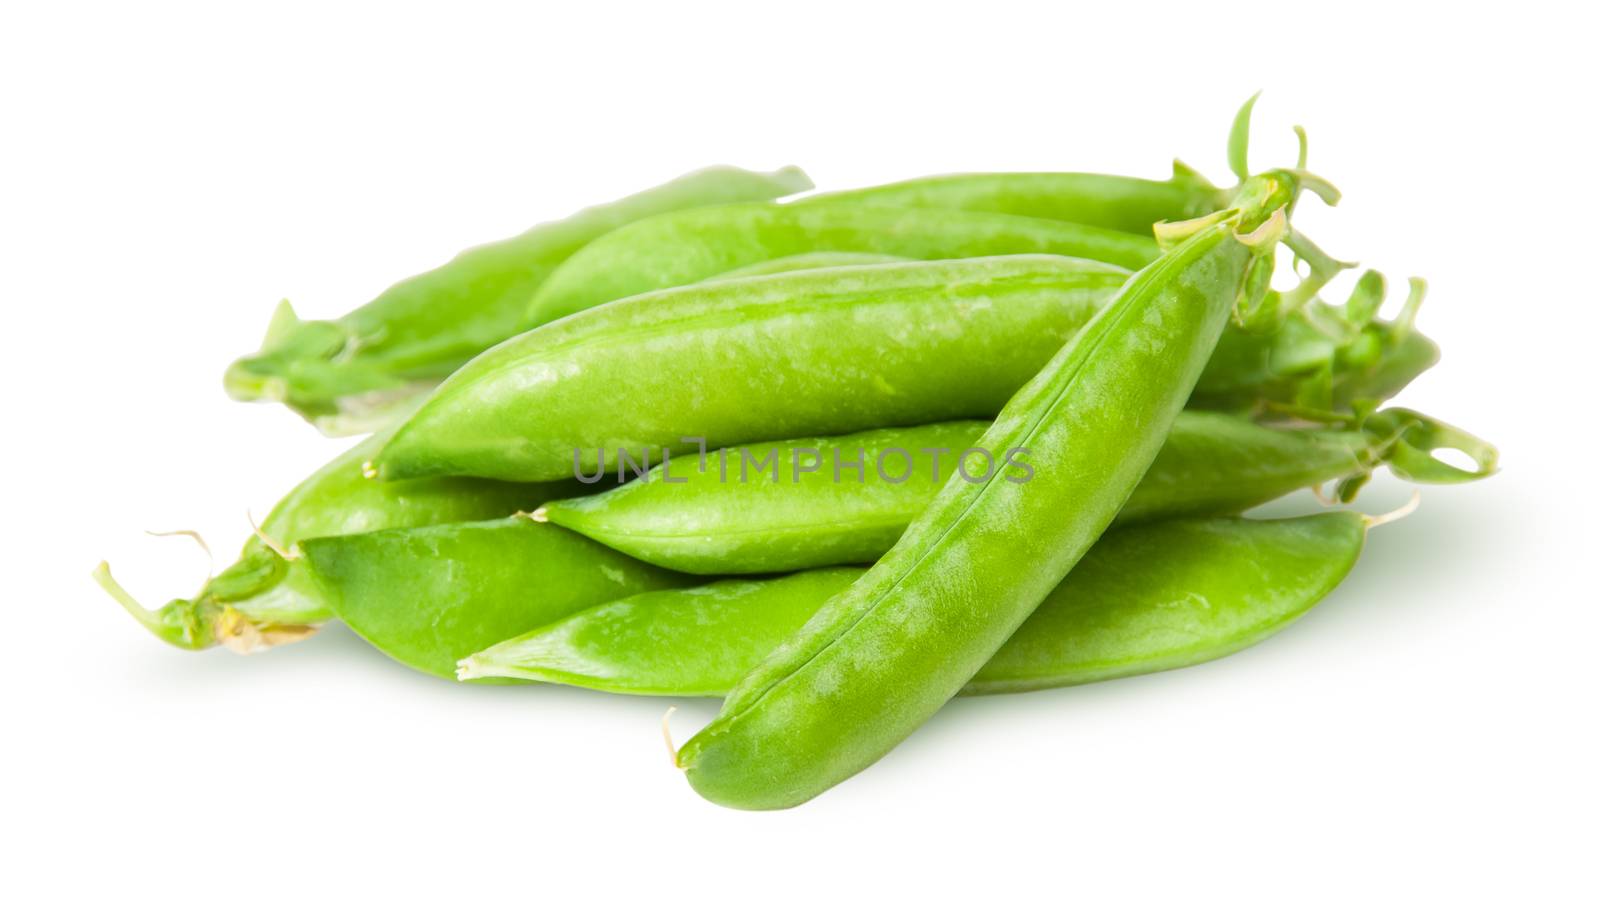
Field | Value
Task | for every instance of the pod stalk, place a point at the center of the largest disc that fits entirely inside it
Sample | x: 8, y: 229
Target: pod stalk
x: 194, y: 625
x: 177, y: 623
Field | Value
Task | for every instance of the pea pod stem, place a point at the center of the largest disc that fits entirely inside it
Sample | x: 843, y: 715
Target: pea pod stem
x: 1323, y: 269
x: 1239, y: 155
x: 181, y: 624
x: 1414, y: 438
x: 175, y: 626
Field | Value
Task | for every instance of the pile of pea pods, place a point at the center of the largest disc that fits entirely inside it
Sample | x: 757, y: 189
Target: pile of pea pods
x: 837, y: 458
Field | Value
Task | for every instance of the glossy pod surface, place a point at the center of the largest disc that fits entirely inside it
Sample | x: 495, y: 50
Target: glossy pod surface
x: 825, y: 501
x: 1144, y: 599
x: 812, y: 352
x: 1320, y: 357
x: 1172, y: 594
x: 878, y: 659
x: 339, y: 500
x: 691, y: 246
x: 812, y: 512
x: 1117, y: 202
x: 806, y: 261
x: 803, y: 353
x: 265, y: 598
x: 342, y: 372
x: 426, y: 596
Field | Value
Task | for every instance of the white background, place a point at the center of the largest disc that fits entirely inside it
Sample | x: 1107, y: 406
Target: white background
x: 1423, y: 744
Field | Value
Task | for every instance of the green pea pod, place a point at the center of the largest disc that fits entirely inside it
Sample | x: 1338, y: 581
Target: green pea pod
x: 268, y: 597
x: 356, y: 372
x: 794, y: 354
x: 1320, y: 358
x: 833, y: 501
x: 806, y: 261
x: 734, y: 362
x: 1144, y: 599
x: 427, y: 596
x: 1114, y: 202
x: 881, y: 657
x: 813, y: 502
x: 690, y: 246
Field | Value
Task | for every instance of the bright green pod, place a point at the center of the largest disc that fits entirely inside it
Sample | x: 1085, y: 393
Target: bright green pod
x: 356, y: 372
x: 881, y: 657
x: 1174, y: 594
x: 828, y: 351
x: 1123, y: 203
x: 427, y: 596
x: 1107, y: 218
x: 1147, y: 598
x: 268, y: 597
x: 842, y: 500
x: 690, y: 246
x: 806, y: 261
x: 816, y: 502
x: 1317, y: 358
x: 803, y: 353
